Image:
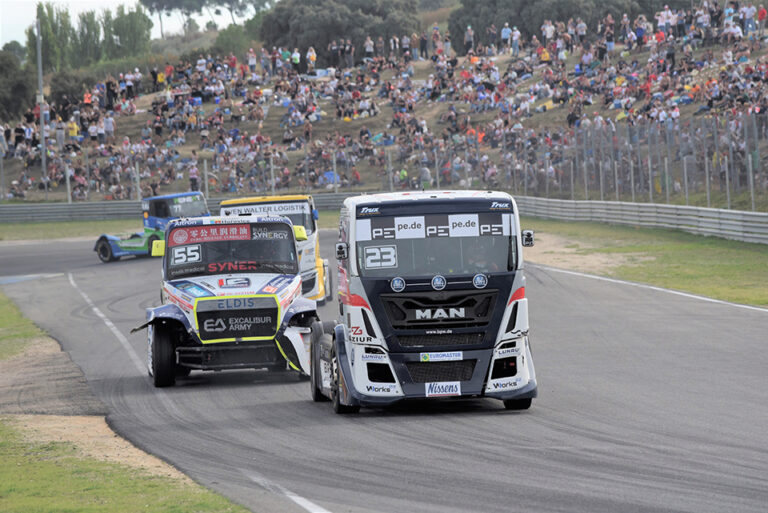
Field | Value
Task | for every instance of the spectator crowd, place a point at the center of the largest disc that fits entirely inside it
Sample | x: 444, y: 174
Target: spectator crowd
x: 217, y: 108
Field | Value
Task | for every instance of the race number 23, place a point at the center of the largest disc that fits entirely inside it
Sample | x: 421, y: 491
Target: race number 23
x: 186, y: 254
x: 380, y: 257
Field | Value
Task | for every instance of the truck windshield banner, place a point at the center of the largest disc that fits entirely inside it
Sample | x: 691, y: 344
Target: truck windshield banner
x: 279, y: 209
x: 435, y: 225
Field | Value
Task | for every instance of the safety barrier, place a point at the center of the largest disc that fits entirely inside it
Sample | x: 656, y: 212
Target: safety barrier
x: 729, y: 224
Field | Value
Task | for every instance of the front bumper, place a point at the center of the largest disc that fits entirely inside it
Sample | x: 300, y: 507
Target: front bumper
x: 381, y: 378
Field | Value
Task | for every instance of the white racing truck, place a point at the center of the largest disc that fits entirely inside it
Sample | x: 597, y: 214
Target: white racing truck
x: 231, y: 298
x: 432, y: 302
x: 300, y: 209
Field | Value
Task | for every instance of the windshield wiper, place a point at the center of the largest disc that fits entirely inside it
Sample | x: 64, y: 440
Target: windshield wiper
x: 272, y: 267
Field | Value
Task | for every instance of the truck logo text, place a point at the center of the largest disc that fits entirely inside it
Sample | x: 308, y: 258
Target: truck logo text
x: 440, y: 313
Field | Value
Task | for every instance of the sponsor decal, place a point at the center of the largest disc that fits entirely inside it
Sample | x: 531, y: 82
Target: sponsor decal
x: 234, y: 283
x: 233, y: 267
x: 480, y: 281
x: 379, y: 388
x: 500, y: 205
x: 235, y: 323
x: 507, y: 352
x: 180, y: 236
x: 373, y: 357
x: 369, y: 210
x: 442, y: 389
x: 194, y: 235
x: 356, y: 334
x: 193, y: 290
x: 438, y: 332
x: 234, y: 303
x: 434, y: 225
x: 439, y: 282
x: 301, y: 207
x: 506, y: 383
x: 269, y: 289
x: 451, y: 356
x: 261, y: 233
x: 397, y: 284
x: 431, y: 314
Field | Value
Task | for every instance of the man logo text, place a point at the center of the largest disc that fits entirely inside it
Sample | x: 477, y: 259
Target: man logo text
x: 440, y: 313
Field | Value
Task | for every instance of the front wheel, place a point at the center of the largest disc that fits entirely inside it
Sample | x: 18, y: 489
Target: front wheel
x: 518, y: 404
x: 338, y: 406
x: 163, y: 361
x: 104, y: 250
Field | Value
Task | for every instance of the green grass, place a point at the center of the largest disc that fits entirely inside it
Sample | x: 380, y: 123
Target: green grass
x: 712, y: 267
x: 15, y: 330
x: 328, y: 219
x: 68, y: 229
x: 50, y: 477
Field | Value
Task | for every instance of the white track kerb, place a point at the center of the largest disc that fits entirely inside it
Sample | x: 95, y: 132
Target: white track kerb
x: 649, y: 287
x: 137, y: 362
x: 305, y: 504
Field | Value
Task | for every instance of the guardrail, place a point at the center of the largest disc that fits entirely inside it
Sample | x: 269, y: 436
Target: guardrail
x: 729, y: 224
x: 99, y: 210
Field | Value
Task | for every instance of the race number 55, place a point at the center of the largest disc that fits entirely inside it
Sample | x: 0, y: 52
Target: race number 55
x: 380, y: 257
x: 186, y: 254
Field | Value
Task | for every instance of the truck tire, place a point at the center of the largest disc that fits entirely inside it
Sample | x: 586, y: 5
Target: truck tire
x: 314, y: 364
x: 104, y: 250
x: 338, y: 407
x: 163, y: 361
x: 518, y: 404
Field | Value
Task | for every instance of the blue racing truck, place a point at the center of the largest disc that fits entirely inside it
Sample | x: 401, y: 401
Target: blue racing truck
x: 156, y: 212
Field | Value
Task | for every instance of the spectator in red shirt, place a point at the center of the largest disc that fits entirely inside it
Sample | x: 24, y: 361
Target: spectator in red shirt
x: 762, y: 14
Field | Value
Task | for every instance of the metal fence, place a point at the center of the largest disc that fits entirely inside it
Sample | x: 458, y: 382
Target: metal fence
x: 713, y: 160
x: 729, y: 224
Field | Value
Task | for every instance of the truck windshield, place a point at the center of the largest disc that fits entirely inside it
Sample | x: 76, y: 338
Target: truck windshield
x: 230, y: 248
x: 187, y: 206
x: 297, y: 211
x: 435, y: 244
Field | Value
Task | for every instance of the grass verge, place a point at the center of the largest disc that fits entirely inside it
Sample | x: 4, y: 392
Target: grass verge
x: 48, y: 477
x: 15, y: 331
x: 68, y: 229
x: 72, y: 229
x: 708, y: 266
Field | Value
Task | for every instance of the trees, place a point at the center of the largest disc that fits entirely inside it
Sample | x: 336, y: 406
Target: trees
x: 232, y: 39
x: 17, y: 87
x: 88, y: 39
x: 16, y: 49
x: 296, y: 23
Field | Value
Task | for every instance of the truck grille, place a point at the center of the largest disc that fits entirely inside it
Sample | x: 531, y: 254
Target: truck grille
x: 429, y: 372
x: 452, y: 339
x: 428, y: 310
x: 236, y: 318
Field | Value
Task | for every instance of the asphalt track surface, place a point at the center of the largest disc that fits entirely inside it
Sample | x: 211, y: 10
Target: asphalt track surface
x: 649, y: 401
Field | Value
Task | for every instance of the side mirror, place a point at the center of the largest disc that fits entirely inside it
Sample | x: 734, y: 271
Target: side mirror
x: 342, y: 251
x: 315, y: 214
x: 527, y: 238
x: 300, y: 233
x: 158, y: 248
